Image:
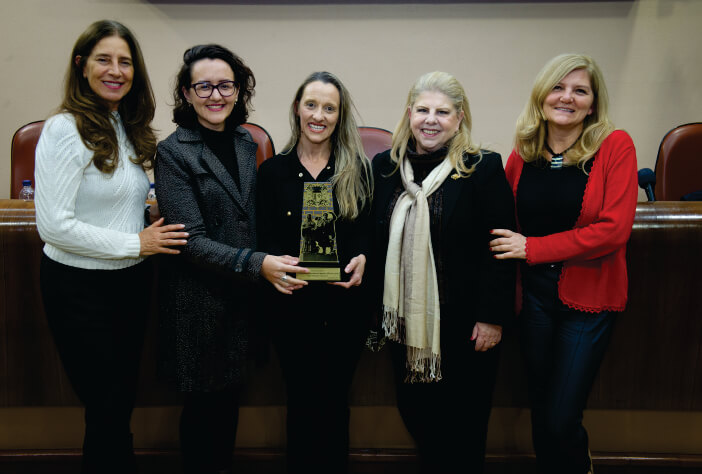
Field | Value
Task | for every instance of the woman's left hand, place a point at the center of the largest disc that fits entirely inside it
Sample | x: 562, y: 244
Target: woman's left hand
x: 159, y: 238
x: 510, y: 244
x: 486, y: 336
x: 356, y: 267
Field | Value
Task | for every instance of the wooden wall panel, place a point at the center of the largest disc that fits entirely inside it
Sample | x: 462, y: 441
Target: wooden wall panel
x: 654, y: 361
x: 34, y: 375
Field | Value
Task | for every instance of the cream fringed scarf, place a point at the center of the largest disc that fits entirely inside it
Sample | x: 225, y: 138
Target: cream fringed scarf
x: 411, y: 295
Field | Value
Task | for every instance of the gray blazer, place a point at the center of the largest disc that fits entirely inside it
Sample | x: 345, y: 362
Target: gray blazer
x: 206, y: 293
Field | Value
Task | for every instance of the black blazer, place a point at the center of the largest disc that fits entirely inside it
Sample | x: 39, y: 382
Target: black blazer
x: 206, y: 292
x: 280, y: 192
x: 479, y: 287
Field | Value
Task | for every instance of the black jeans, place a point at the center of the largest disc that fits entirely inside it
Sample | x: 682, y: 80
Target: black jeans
x: 563, y: 349
x: 97, y: 318
x: 448, y: 420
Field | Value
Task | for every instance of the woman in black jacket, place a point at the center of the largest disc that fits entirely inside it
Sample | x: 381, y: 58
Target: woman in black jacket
x: 205, y: 178
x: 445, y: 298
x: 318, y: 331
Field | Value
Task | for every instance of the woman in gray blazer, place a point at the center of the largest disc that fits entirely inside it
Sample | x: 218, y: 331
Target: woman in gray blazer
x: 205, y: 178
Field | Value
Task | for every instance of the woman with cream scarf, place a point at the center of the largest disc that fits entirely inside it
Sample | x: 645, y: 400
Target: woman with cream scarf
x: 445, y: 298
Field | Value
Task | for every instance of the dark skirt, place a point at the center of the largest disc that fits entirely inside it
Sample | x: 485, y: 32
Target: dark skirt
x: 204, y: 326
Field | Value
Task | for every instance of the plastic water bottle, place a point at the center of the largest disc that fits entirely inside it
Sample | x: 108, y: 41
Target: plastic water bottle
x: 27, y: 192
x: 151, y: 195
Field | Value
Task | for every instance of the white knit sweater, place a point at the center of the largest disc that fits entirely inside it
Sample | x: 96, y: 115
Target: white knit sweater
x: 87, y: 218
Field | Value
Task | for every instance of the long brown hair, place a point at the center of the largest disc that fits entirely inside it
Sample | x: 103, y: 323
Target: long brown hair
x: 353, y: 179
x: 92, y: 113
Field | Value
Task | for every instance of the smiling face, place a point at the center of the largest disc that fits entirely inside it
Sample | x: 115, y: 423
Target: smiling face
x: 318, y: 112
x: 433, y: 120
x: 213, y: 111
x: 109, y: 70
x: 570, y: 101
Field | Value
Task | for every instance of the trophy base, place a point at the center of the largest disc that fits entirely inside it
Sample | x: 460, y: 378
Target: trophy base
x: 319, y: 273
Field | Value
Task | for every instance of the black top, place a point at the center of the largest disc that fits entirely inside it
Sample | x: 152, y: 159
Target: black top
x: 222, y: 145
x: 279, y: 214
x: 549, y: 200
x: 279, y: 203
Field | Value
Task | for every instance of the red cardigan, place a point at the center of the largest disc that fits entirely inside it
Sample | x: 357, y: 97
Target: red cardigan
x: 594, y: 274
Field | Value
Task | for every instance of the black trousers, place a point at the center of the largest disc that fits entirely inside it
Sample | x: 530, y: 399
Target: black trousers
x: 318, y: 348
x: 97, y: 318
x: 208, y: 425
x: 448, y: 420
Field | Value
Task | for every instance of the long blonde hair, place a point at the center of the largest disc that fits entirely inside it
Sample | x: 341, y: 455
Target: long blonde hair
x: 462, y: 141
x: 352, y: 180
x: 532, y: 125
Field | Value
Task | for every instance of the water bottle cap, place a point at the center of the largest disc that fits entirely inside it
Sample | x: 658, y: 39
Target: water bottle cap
x: 26, y: 182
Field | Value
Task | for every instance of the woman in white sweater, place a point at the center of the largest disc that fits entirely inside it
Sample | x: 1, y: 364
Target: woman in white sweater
x: 91, y: 191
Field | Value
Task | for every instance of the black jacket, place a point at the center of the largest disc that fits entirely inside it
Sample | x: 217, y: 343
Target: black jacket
x: 280, y: 191
x: 480, y: 288
x: 205, y: 293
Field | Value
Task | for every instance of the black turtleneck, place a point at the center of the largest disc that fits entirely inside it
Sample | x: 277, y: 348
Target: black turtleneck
x: 222, y: 145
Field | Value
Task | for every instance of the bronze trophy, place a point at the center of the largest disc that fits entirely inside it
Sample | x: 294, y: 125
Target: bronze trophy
x: 318, y: 250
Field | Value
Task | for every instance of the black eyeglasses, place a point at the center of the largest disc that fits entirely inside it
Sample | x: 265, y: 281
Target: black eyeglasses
x: 204, y: 89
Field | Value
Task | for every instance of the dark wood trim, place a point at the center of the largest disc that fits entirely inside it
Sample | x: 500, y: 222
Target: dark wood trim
x: 370, y: 455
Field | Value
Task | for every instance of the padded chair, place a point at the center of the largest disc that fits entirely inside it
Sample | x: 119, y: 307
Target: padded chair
x: 263, y: 139
x: 679, y: 163
x: 24, y: 142
x: 375, y: 140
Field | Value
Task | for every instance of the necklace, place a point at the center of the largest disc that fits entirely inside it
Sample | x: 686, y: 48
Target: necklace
x: 557, y: 158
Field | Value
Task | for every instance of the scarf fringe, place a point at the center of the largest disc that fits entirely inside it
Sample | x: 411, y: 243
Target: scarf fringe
x: 393, y: 325
x: 423, y: 366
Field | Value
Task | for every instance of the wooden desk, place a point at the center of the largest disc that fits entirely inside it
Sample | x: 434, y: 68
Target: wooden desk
x: 654, y: 361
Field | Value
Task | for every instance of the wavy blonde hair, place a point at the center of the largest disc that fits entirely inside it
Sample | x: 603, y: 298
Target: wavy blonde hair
x: 461, y: 143
x: 352, y: 180
x: 532, y: 125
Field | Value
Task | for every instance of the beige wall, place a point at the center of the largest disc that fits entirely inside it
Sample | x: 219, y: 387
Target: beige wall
x: 649, y: 51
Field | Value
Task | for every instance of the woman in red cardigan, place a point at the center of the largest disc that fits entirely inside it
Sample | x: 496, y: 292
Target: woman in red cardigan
x: 574, y: 182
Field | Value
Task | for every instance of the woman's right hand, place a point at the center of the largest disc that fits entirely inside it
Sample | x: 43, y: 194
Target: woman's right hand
x: 157, y: 238
x: 510, y: 244
x: 275, y: 269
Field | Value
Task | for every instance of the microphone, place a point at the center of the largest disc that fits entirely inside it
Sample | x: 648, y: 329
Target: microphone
x: 647, y: 178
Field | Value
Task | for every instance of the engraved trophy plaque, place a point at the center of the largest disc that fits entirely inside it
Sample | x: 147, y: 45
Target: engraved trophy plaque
x: 318, y: 250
